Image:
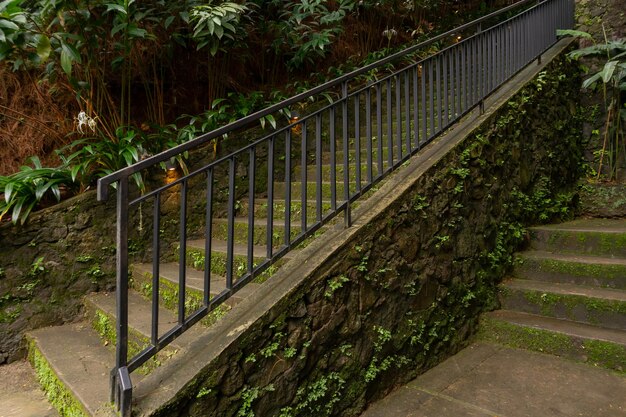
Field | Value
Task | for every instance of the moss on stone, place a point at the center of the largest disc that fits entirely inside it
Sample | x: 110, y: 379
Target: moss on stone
x: 168, y: 295
x: 57, y: 393
x: 522, y: 337
x: 605, y: 354
x: 104, y: 325
x: 597, y: 352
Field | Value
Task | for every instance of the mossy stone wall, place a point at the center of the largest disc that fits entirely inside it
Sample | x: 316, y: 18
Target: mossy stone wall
x: 48, y: 264
x: 407, y: 292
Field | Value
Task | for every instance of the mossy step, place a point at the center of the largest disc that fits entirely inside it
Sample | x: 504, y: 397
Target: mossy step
x: 597, y: 237
x: 597, y: 306
x: 101, y: 306
x: 339, y: 170
x: 220, y: 230
x: 577, y: 341
x: 194, y: 284
x: 261, y: 209
x: 72, y: 365
x: 196, y: 259
x: 311, y: 190
x: 573, y: 269
x: 352, y: 154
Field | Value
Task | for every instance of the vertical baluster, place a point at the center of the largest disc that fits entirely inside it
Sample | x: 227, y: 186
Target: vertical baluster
x: 416, y: 116
x: 407, y: 111
x: 182, y: 265
x: 424, y: 107
x: 288, y: 187
x: 270, y: 197
x: 318, y: 166
x: 379, y: 128
x: 156, y: 263
x: 465, y: 74
x: 389, y: 126
x: 346, y: 155
x: 208, y: 235
x: 368, y: 134
x: 333, y: 162
x: 303, y: 177
x: 431, y: 106
x: 457, y: 81
x: 251, y: 192
x: 446, y: 115
x: 452, y: 83
x: 230, y: 241
x: 398, y: 84
x: 357, y: 141
x: 439, y: 102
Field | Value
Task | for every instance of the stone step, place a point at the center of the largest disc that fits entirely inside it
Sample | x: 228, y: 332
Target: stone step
x: 573, y: 269
x: 311, y: 190
x: 73, y: 366
x: 311, y: 170
x: 261, y: 207
x: 598, y: 306
x: 220, y: 230
x: 578, y: 341
x: 352, y: 155
x: 101, y: 314
x: 196, y: 259
x: 595, y: 237
x: 194, y: 284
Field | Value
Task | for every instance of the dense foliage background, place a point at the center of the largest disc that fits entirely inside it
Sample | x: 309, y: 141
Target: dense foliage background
x: 90, y: 86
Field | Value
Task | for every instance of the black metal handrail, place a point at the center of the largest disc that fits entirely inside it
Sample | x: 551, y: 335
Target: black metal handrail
x: 382, y: 124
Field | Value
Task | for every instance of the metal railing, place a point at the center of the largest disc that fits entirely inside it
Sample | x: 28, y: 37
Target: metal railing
x: 300, y: 176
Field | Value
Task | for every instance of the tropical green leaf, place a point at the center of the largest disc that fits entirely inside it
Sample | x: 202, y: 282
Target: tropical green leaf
x: 117, y: 7
x: 43, y: 48
x: 7, y: 24
x: 608, y: 71
x: 574, y: 33
x: 17, y: 208
x: 8, y: 191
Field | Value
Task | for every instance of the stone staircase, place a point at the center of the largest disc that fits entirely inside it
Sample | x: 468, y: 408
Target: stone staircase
x: 567, y: 294
x: 73, y: 362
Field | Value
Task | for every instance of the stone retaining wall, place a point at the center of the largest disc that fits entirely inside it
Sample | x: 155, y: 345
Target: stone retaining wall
x: 406, y: 289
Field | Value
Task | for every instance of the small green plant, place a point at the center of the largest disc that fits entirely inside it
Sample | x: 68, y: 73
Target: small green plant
x: 334, y: 284
x: 37, y: 267
x: 29, y: 187
x: 203, y: 392
x: 290, y: 352
x: 248, y: 396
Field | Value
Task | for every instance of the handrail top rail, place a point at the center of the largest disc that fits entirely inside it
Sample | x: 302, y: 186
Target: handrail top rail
x: 104, y: 182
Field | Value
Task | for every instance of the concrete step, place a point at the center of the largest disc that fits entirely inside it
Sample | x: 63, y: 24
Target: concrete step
x: 594, y: 237
x: 598, y: 306
x: 311, y: 190
x: 261, y: 207
x: 352, y: 155
x: 573, y: 269
x: 73, y: 366
x: 194, y: 280
x: 220, y: 230
x: 311, y: 170
x: 101, y: 313
x: 196, y: 259
x: 578, y: 341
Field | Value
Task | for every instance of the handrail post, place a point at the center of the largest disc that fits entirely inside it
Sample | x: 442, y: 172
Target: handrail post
x: 121, y: 382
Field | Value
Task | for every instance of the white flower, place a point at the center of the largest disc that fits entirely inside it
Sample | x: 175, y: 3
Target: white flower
x: 83, y: 120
